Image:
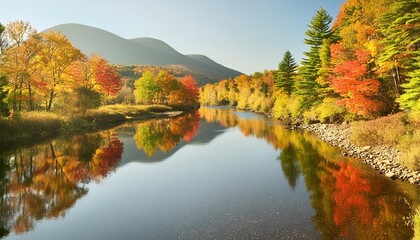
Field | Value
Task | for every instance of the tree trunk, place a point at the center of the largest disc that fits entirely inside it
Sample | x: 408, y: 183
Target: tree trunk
x: 398, y: 81
x: 14, y: 100
x: 20, y: 97
x: 394, y: 76
x: 51, y: 99
x: 31, y: 101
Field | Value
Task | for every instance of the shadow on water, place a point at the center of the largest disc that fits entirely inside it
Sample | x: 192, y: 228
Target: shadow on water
x: 350, y: 200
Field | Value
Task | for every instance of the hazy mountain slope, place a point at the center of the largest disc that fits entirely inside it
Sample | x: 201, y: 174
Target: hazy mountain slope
x: 140, y: 51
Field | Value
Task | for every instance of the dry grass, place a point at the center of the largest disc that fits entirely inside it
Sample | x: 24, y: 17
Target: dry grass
x: 130, y: 109
x: 120, y: 112
x: 400, y: 130
x: 27, y: 127
x: 386, y: 130
x: 417, y: 225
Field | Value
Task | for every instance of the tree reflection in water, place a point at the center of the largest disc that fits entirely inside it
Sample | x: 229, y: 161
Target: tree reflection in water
x: 45, y: 180
x: 164, y: 134
x: 351, y: 201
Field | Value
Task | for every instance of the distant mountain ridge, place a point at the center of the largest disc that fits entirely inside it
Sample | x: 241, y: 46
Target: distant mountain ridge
x: 140, y: 51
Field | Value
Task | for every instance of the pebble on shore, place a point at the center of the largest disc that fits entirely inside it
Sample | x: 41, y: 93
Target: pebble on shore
x: 382, y: 158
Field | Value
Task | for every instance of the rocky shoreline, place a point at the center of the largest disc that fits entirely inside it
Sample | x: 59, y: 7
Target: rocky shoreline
x: 382, y: 158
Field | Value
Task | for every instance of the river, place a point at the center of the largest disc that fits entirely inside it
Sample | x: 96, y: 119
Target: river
x: 216, y: 173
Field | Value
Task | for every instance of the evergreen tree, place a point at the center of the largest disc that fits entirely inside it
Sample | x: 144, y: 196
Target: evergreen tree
x: 286, y: 73
x: 325, y: 71
x: 410, y: 99
x: 307, y: 87
x: 401, y: 28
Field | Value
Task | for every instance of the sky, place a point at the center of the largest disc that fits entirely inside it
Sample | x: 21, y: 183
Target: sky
x: 246, y: 35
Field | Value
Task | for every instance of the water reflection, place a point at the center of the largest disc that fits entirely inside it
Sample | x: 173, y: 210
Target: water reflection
x: 164, y: 134
x: 351, y: 200
x: 45, y: 180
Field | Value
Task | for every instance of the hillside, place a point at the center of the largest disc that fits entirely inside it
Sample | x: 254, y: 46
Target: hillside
x: 141, y: 51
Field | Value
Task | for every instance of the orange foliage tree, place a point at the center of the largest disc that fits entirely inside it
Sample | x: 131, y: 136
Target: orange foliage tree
x: 186, y: 94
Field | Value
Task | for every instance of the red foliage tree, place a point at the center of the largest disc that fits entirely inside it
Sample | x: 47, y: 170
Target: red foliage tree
x: 108, y: 77
x: 186, y: 94
x: 191, y: 90
x: 351, y: 80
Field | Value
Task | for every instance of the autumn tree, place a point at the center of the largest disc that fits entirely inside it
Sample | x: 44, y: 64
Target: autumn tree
x: 358, y: 26
x: 4, y: 108
x: 96, y: 74
x: 107, y: 77
x: 286, y: 73
x: 87, y: 99
x: 307, y: 88
x: 243, y: 84
x: 167, y: 84
x: 351, y: 79
x: 83, y: 73
x: 189, y: 91
x: 56, y: 56
x: 208, y: 95
x: 163, y: 88
x: 19, y: 60
x: 145, y: 88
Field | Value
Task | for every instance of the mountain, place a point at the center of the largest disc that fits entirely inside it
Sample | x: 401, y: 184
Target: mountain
x: 141, y: 51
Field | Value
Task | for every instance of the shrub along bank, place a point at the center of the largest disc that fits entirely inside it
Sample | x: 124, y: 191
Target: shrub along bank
x: 29, y: 127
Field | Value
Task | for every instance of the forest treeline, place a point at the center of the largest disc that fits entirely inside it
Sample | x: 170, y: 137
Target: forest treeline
x: 363, y: 65
x: 45, y: 72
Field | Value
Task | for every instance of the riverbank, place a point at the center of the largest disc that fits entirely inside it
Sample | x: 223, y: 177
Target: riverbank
x: 389, y: 144
x: 31, y: 127
x: 382, y: 158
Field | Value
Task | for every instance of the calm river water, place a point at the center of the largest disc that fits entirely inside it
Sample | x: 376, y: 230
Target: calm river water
x: 213, y: 174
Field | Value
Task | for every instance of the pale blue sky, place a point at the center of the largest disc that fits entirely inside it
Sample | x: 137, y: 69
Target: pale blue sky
x: 246, y: 35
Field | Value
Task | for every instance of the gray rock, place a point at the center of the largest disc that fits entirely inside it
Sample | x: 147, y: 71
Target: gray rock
x: 391, y: 175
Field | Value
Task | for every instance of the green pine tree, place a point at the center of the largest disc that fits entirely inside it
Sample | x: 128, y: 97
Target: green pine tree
x: 401, y: 28
x: 308, y: 88
x: 286, y: 73
x: 325, y: 71
x: 410, y: 99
